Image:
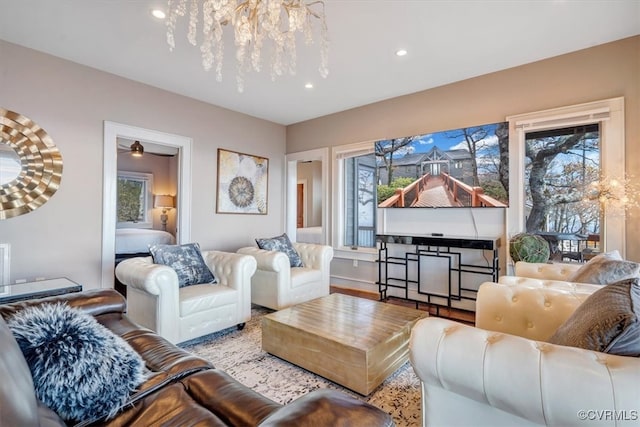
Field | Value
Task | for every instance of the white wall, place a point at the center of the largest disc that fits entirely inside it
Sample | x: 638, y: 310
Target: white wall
x: 71, y: 102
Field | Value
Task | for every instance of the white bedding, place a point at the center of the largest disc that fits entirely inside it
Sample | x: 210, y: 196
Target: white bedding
x: 309, y: 235
x: 137, y: 240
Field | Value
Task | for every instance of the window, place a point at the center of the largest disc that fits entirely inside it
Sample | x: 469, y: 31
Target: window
x: 360, y: 201
x: 355, y: 188
x: 134, y: 200
x: 591, y: 138
x: 560, y: 167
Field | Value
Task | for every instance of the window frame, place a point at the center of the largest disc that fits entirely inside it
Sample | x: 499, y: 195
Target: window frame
x: 609, y: 113
x: 147, y: 179
x: 339, y: 153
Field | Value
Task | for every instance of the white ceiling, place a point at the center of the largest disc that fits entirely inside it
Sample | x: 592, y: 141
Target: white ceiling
x: 447, y: 41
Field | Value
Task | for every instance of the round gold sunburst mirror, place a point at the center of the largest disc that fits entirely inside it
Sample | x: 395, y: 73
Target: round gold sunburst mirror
x: 30, y: 165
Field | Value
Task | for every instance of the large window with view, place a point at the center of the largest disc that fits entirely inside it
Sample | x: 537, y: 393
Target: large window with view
x: 359, y: 201
x: 561, y: 165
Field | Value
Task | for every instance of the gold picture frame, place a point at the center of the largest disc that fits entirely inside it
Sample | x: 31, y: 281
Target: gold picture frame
x: 243, y: 182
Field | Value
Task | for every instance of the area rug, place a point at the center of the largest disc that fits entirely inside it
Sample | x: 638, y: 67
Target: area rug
x: 239, y: 353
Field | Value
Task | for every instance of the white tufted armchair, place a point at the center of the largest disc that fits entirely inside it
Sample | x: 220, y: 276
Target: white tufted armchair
x: 155, y: 301
x: 277, y: 285
x: 503, y: 373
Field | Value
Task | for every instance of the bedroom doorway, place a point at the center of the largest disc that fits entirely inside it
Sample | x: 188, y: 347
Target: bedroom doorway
x: 115, y: 132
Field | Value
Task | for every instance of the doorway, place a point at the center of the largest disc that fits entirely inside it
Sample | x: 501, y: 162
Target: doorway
x: 112, y: 132
x: 300, y: 204
x: 291, y: 217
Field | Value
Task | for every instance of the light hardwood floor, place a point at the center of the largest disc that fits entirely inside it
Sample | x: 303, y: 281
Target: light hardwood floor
x: 462, y: 316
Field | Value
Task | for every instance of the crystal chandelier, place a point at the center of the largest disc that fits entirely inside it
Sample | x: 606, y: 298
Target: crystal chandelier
x: 617, y: 195
x: 252, y: 21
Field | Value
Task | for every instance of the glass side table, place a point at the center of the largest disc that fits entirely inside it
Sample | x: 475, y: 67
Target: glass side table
x: 38, y: 289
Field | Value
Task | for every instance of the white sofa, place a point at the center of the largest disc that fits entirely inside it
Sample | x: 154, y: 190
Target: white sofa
x: 503, y: 373
x: 277, y: 285
x: 155, y: 301
x: 546, y: 271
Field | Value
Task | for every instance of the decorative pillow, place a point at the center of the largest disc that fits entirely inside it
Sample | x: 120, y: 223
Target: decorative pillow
x: 608, y: 321
x: 187, y: 262
x: 80, y: 368
x: 281, y: 244
x: 606, y: 268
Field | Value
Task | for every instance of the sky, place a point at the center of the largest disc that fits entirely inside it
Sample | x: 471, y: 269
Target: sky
x: 444, y: 141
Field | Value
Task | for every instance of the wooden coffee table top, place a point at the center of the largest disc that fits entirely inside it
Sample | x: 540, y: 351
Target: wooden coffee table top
x: 351, y: 320
x: 353, y: 341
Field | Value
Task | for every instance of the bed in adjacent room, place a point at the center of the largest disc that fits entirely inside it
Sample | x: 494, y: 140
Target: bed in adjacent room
x: 136, y: 241
x: 309, y: 235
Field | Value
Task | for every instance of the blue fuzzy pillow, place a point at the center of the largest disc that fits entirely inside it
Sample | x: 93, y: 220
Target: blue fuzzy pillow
x: 80, y: 369
x: 281, y: 244
x: 186, y: 260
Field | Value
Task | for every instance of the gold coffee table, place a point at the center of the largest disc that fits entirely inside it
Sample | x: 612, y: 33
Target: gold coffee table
x: 352, y: 341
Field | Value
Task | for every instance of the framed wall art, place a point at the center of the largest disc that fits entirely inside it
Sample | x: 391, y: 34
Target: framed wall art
x: 242, y: 183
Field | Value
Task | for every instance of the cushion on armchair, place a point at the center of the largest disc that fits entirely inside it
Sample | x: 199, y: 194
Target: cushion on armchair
x: 608, y: 321
x: 606, y: 268
x: 281, y: 244
x: 187, y: 262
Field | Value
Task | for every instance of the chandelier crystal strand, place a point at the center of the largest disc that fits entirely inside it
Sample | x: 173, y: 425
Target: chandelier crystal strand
x: 618, y: 195
x: 193, y: 22
x: 253, y: 21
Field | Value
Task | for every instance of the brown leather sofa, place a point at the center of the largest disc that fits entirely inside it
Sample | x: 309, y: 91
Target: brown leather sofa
x: 183, y: 389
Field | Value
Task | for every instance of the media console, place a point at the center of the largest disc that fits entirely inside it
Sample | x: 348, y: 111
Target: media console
x: 401, y: 264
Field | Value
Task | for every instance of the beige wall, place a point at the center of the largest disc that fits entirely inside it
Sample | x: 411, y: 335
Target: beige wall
x: 71, y: 102
x: 602, y: 72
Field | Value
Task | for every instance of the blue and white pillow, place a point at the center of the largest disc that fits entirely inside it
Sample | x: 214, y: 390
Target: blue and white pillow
x: 281, y: 244
x: 186, y: 260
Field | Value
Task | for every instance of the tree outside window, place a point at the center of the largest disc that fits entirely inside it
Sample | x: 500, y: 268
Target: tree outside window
x: 360, y: 201
x: 134, y: 199
x: 560, y: 166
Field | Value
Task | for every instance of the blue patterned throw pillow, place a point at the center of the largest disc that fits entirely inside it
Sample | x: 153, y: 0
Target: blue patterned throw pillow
x: 186, y: 261
x: 281, y: 244
x: 80, y: 369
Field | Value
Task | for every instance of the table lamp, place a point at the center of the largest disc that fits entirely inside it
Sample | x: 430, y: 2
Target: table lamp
x: 165, y: 202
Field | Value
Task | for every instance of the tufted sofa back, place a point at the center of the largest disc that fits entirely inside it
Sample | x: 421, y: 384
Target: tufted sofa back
x: 539, y: 270
x: 530, y: 308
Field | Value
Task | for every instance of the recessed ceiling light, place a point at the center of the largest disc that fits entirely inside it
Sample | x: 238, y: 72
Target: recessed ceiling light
x: 309, y: 86
x: 401, y: 52
x: 158, y: 13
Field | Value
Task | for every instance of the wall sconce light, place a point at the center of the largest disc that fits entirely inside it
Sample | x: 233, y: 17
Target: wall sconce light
x: 165, y: 202
x: 137, y: 149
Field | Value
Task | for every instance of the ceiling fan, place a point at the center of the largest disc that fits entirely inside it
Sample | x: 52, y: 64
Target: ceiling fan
x: 137, y: 149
